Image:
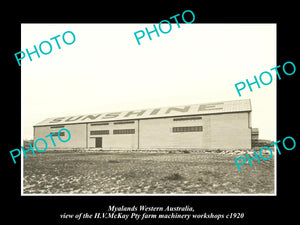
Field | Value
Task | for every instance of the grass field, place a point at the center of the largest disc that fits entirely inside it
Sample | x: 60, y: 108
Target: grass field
x: 149, y: 173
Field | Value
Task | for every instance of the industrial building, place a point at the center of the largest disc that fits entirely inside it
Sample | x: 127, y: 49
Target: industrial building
x: 219, y: 125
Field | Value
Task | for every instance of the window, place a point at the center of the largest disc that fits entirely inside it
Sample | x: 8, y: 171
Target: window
x: 99, y: 124
x: 124, y: 131
x: 99, y: 132
x: 188, y: 118
x: 57, y: 126
x: 188, y: 129
x: 62, y: 133
x: 124, y: 122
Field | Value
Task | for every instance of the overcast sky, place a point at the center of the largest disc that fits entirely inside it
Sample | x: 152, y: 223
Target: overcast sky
x: 105, y: 70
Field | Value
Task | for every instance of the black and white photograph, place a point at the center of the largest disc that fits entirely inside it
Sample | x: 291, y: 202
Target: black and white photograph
x: 162, y: 117
x: 150, y: 115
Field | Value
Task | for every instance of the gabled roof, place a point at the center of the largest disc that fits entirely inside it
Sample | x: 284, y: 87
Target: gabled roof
x: 187, y: 110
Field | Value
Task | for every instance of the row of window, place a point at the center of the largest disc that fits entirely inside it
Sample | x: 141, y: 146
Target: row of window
x: 124, y: 131
x: 62, y: 133
x: 120, y: 131
x: 188, y: 129
x: 99, y: 132
x: 132, y: 131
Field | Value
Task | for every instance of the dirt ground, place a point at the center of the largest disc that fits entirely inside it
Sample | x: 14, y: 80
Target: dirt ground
x: 144, y: 173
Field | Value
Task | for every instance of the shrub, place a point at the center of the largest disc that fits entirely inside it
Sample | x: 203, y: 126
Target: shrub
x: 186, y: 151
x: 113, y: 161
x: 174, y: 176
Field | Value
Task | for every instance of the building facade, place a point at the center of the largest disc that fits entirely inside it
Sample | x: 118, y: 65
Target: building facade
x: 219, y: 125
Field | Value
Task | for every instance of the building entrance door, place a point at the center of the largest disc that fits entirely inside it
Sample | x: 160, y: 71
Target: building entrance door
x: 98, y: 142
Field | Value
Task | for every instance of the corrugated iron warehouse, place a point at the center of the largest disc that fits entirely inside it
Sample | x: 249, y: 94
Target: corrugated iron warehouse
x: 220, y: 125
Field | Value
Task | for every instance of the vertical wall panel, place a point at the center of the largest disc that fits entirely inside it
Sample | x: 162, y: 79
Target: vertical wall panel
x: 78, y: 136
